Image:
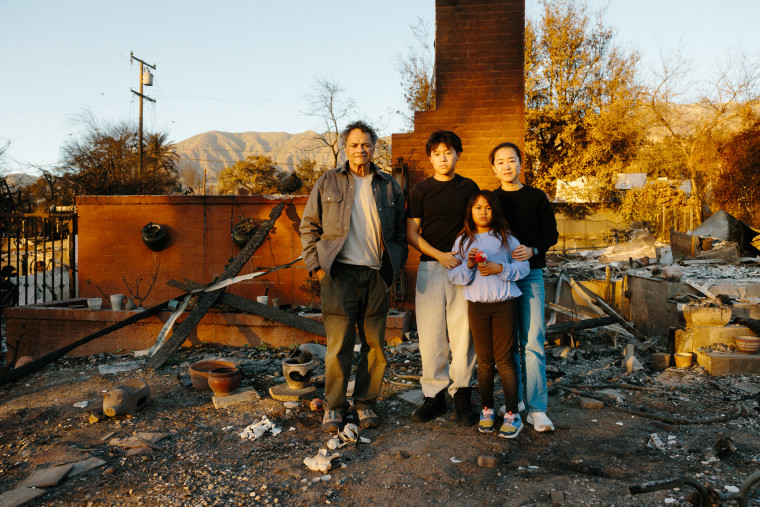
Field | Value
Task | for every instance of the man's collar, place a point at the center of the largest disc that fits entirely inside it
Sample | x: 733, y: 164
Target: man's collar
x: 373, y: 169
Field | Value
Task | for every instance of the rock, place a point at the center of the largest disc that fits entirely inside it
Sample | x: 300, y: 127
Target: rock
x: 590, y: 404
x: 558, y: 497
x: 291, y: 404
x: 415, y: 396
x: 488, y: 461
x: 242, y: 395
x: 672, y: 272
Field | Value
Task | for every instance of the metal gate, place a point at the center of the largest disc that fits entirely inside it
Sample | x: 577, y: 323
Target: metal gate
x: 37, y: 259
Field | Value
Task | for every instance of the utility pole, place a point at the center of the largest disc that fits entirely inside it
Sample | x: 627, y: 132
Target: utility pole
x: 146, y: 78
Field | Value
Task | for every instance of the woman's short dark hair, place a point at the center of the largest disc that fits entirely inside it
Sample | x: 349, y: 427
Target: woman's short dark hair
x: 505, y: 145
x: 447, y: 137
x: 358, y: 125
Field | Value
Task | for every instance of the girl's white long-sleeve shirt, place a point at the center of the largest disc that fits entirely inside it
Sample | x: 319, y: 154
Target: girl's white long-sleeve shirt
x: 491, y: 288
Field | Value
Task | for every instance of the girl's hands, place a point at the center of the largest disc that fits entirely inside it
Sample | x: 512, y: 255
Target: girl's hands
x: 490, y: 268
x: 471, y: 257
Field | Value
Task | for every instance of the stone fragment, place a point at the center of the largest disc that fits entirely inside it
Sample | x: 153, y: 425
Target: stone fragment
x: 672, y: 272
x: 242, y: 395
x: 291, y: 404
x: 558, y: 497
x: 283, y: 392
x: 488, y: 461
x: 46, y: 477
x: 85, y: 465
x: 139, y: 450
x: 415, y: 396
x: 591, y: 404
x: 20, y: 496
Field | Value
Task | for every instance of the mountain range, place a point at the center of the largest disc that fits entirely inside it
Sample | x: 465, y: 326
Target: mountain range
x: 213, y: 151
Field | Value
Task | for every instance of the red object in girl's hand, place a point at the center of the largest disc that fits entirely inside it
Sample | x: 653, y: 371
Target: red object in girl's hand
x: 480, y: 256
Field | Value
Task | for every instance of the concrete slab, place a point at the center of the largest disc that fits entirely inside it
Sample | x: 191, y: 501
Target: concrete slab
x: 729, y: 363
x: 19, y: 496
x: 242, y: 395
x: 86, y: 465
x: 46, y: 477
x: 282, y: 392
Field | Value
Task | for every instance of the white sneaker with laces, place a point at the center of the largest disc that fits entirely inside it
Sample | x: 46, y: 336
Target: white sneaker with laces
x: 540, y: 421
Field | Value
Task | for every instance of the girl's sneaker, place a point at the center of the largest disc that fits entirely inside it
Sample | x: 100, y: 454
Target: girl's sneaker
x: 512, y: 426
x: 487, y: 421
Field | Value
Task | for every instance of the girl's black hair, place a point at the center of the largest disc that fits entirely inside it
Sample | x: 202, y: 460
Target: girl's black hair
x: 499, y: 225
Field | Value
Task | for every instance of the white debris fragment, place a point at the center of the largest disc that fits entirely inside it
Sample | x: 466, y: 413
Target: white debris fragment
x: 291, y: 404
x: 257, y: 429
x: 350, y: 433
x: 671, y: 500
x: 731, y: 489
x: 655, y: 441
x: 454, y: 460
x: 619, y: 423
x: 321, y: 462
x: 81, y: 404
x: 365, y: 440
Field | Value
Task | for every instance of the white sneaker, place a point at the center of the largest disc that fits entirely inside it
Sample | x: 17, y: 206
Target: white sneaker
x: 540, y: 421
x: 520, y: 408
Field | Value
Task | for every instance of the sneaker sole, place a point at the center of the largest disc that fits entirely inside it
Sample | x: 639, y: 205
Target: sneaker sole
x: 485, y: 430
x: 540, y: 429
x: 513, y: 435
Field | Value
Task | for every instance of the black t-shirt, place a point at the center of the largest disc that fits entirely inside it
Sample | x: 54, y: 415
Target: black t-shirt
x: 531, y: 219
x: 442, y: 207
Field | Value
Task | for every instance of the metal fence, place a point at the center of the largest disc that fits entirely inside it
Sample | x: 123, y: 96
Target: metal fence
x: 37, y: 259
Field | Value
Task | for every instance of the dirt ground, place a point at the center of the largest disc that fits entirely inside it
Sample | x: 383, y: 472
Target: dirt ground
x: 592, y: 458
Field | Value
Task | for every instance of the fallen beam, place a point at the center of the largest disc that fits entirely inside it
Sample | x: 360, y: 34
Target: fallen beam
x: 268, y: 312
x: 577, y: 325
x: 45, y: 360
x: 207, y: 299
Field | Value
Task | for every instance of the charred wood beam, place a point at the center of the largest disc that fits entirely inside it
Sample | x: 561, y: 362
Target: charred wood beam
x: 577, y: 325
x: 207, y: 299
x: 268, y: 312
x: 40, y: 363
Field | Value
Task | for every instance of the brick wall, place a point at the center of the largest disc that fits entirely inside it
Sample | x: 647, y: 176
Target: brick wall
x: 480, y: 90
x: 200, y: 245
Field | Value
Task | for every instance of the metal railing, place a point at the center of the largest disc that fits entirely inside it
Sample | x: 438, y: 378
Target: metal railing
x: 37, y: 258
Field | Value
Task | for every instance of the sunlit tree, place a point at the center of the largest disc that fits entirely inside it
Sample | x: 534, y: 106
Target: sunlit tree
x: 257, y: 174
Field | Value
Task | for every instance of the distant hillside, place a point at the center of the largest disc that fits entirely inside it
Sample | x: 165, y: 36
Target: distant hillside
x: 213, y: 151
x: 16, y: 181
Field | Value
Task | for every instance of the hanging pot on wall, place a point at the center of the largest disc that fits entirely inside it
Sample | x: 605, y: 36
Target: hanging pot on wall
x: 243, y: 231
x: 155, y: 236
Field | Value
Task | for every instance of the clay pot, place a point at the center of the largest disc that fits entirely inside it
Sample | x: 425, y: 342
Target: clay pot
x: 747, y: 344
x: 683, y: 359
x: 200, y: 370
x: 297, y: 374
x: 224, y: 381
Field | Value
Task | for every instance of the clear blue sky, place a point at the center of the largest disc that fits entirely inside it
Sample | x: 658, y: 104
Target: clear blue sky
x: 242, y: 66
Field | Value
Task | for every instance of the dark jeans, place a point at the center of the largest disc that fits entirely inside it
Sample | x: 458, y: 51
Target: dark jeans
x: 493, y: 331
x: 355, y: 295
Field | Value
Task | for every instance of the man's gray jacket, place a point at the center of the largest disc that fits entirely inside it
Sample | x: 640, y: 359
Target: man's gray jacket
x: 327, y: 217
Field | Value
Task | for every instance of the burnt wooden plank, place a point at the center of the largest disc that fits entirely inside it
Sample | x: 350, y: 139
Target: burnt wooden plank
x: 254, y: 308
x: 207, y: 299
x: 577, y: 325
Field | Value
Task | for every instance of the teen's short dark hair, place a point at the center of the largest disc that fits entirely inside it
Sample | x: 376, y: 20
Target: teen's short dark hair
x: 447, y: 137
x: 505, y: 145
x: 358, y: 125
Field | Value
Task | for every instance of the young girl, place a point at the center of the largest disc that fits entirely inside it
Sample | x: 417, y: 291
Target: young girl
x: 488, y: 276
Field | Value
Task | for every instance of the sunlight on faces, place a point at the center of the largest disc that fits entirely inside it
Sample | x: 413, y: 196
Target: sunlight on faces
x: 506, y: 166
x: 359, y: 149
x: 482, y: 214
x: 444, y: 161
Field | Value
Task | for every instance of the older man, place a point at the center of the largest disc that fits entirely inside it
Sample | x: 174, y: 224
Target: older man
x: 353, y: 235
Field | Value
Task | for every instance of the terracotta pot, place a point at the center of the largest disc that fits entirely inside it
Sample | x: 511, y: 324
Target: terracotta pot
x: 297, y: 374
x: 224, y: 381
x: 683, y: 359
x: 200, y: 370
x: 747, y: 344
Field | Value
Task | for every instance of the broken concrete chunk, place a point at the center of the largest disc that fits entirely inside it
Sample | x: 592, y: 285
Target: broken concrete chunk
x: 558, y: 497
x: 672, y: 273
x: 20, y: 496
x: 242, y: 395
x: 46, y: 477
x: 85, y: 465
x: 591, y: 404
x: 488, y: 461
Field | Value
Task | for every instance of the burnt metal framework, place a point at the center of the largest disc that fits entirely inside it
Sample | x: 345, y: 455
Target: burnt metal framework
x: 37, y: 259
